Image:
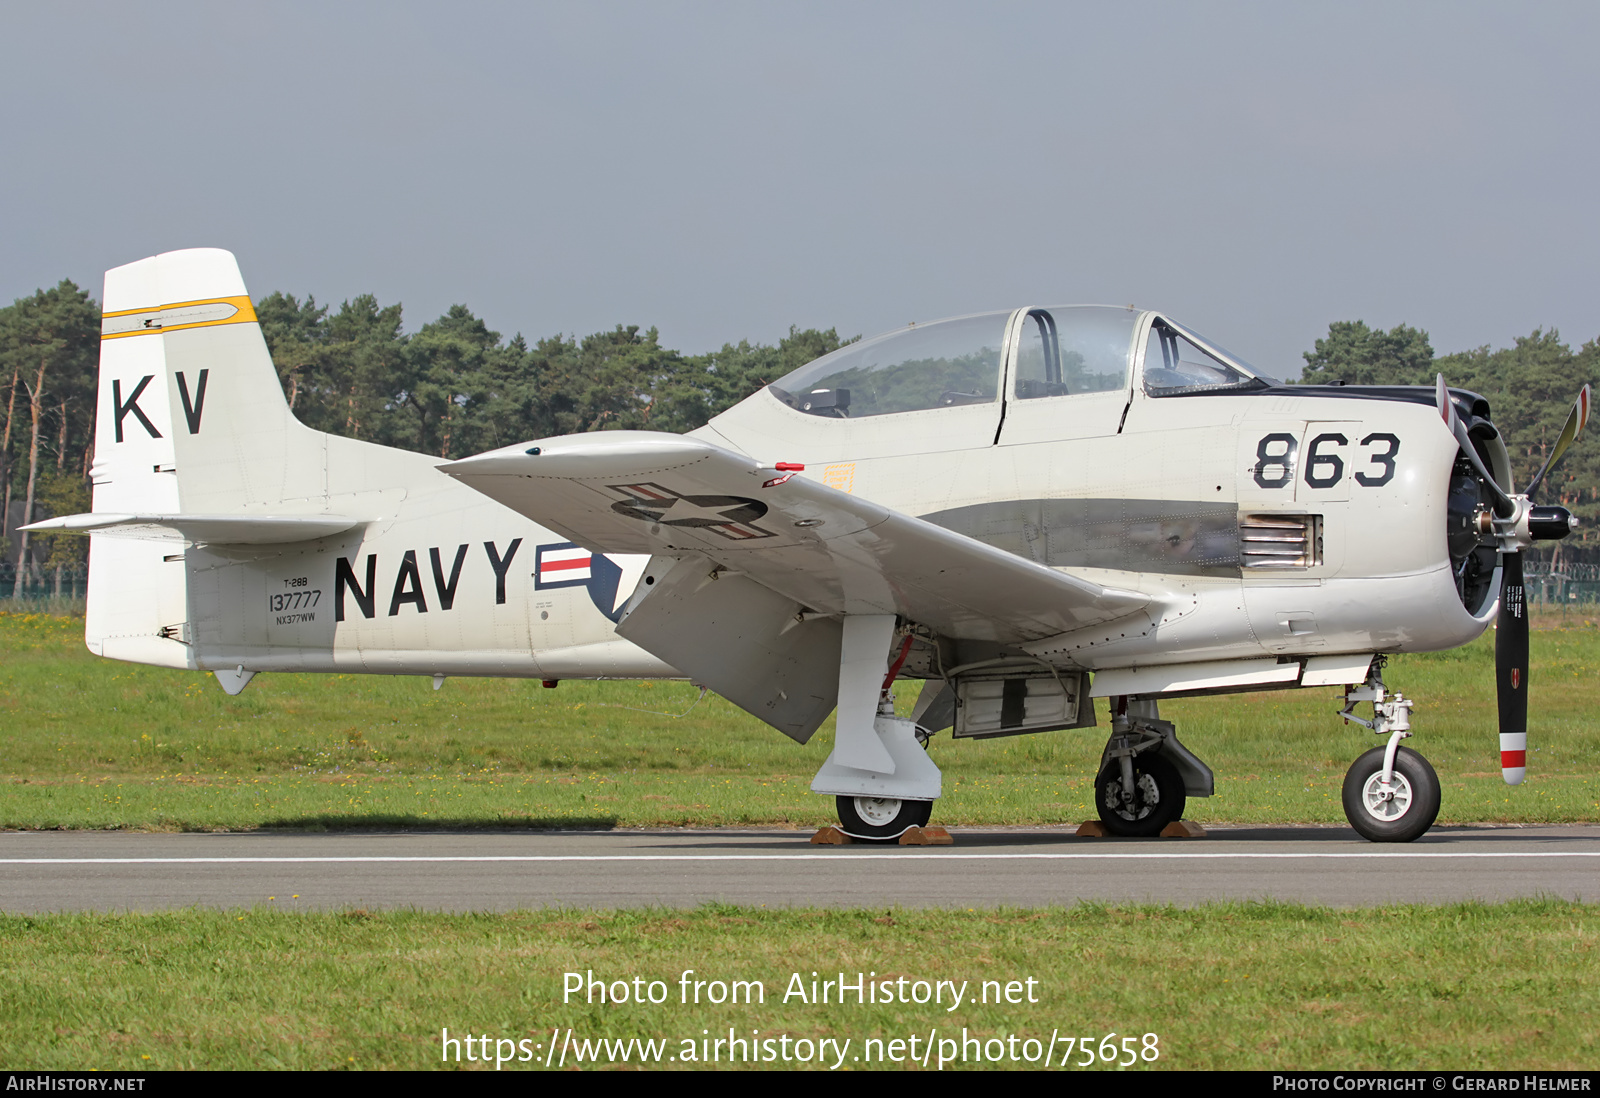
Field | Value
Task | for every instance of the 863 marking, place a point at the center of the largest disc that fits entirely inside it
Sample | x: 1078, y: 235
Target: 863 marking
x: 1325, y: 460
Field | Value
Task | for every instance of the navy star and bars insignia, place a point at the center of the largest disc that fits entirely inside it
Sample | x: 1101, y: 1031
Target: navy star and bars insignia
x: 732, y: 517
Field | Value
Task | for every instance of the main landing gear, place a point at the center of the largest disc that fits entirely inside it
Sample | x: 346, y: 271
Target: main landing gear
x: 879, y: 772
x: 1138, y: 796
x: 881, y: 819
x: 1146, y: 776
x: 881, y: 805
x: 1391, y: 794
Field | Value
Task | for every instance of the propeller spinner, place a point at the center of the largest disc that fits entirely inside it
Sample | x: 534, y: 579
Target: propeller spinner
x: 1517, y: 523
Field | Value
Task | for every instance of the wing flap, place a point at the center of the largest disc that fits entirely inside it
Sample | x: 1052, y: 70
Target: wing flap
x: 672, y: 495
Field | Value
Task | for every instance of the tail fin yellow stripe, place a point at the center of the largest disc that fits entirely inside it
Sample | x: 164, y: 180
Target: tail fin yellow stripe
x: 178, y: 316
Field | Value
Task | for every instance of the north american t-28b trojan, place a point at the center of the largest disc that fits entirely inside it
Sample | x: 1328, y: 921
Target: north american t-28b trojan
x: 1026, y: 509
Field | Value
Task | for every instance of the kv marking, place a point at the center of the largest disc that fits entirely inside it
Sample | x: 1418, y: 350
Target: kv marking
x: 191, y: 411
x: 193, y: 408
x: 132, y: 405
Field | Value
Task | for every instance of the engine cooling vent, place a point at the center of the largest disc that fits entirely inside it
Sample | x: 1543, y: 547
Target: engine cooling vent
x: 1280, y: 541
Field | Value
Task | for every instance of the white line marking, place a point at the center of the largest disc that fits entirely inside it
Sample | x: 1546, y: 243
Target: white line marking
x: 421, y: 858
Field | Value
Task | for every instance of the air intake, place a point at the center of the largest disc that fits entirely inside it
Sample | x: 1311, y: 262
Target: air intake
x: 1277, y: 542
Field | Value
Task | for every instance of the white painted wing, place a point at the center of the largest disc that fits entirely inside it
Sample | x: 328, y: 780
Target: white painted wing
x: 204, y: 529
x: 647, y: 492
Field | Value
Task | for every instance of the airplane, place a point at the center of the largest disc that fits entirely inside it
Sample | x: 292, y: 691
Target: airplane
x: 1026, y: 510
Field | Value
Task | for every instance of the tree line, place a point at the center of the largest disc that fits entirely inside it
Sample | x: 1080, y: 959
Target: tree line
x: 454, y: 387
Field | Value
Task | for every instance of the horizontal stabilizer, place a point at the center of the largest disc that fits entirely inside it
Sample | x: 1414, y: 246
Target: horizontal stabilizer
x: 828, y: 551
x: 205, y: 529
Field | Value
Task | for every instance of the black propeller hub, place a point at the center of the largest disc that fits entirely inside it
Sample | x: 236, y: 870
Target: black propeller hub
x: 1550, y: 523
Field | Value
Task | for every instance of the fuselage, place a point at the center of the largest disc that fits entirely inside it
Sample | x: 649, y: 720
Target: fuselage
x: 1263, y: 520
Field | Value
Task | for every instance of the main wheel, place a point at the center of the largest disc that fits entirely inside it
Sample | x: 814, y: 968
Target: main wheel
x: 1395, y: 813
x: 881, y: 819
x: 1158, y: 796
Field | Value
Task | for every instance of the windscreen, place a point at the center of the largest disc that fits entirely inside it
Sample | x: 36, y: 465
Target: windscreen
x: 1176, y: 365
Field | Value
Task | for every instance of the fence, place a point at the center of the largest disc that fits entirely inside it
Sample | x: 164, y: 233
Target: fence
x: 1564, y: 585
x: 68, y: 581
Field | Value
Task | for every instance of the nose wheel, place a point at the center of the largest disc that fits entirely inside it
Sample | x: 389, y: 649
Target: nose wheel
x: 1396, y: 810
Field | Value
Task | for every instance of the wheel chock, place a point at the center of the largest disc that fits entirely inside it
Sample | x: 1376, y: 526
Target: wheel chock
x: 1091, y: 829
x: 926, y: 836
x: 1183, y: 829
x: 831, y: 836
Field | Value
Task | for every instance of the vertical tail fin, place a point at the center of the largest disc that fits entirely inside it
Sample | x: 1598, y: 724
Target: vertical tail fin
x: 186, y: 380
x: 191, y: 419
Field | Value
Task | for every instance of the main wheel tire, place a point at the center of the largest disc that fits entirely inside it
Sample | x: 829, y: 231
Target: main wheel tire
x: 1402, y: 812
x: 1158, y: 796
x: 881, y: 819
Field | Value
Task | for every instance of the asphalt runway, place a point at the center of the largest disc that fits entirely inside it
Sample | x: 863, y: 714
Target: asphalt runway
x: 120, y: 871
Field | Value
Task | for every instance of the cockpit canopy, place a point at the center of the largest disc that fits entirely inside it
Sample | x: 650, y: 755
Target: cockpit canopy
x: 1061, y: 351
x: 922, y: 366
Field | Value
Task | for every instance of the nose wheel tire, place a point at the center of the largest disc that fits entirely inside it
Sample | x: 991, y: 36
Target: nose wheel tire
x: 1396, y: 812
x: 881, y: 819
x: 1158, y: 797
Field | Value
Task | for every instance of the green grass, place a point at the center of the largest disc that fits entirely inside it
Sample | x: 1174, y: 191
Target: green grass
x: 91, y: 743
x: 1239, y: 986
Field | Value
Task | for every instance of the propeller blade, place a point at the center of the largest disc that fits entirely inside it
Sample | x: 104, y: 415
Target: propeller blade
x: 1447, y: 407
x: 1569, y: 434
x: 1511, y: 670
x: 1504, y: 505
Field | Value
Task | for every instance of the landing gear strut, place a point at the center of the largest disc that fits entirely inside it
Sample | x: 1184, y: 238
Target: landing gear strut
x: 1391, y: 794
x: 879, y: 772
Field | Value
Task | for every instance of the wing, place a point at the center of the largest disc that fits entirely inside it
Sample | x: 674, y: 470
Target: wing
x: 826, y: 550
x: 205, y: 529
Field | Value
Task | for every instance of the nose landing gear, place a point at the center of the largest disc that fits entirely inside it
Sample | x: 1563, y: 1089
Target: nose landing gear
x: 1393, y: 809
x: 1391, y: 794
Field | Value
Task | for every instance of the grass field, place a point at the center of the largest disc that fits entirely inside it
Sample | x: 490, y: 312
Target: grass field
x: 97, y: 744
x: 91, y: 743
x: 1238, y: 986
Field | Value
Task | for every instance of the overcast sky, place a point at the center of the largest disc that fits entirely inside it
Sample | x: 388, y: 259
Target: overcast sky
x: 722, y: 171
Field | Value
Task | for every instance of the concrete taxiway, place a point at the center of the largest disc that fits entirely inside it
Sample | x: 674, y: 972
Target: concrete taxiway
x: 100, y: 871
